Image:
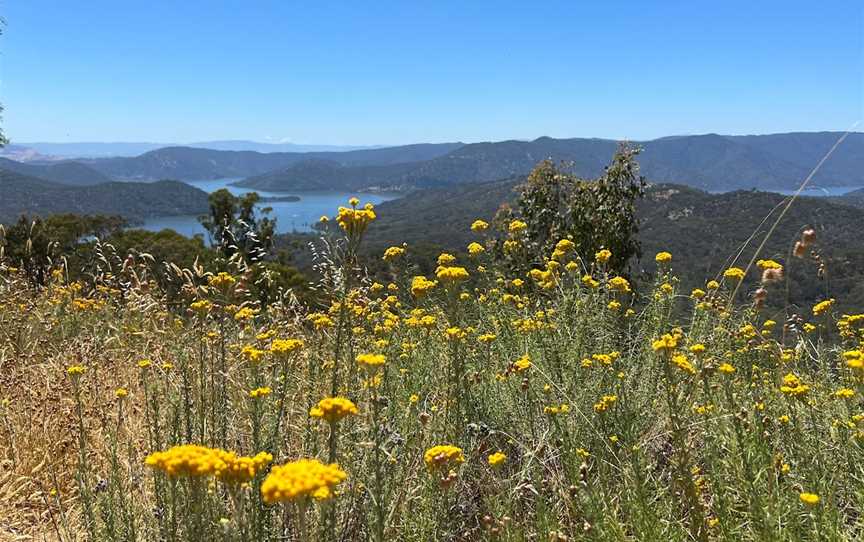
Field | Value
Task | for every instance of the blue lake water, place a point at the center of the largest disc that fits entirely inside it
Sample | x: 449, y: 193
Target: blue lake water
x: 290, y: 215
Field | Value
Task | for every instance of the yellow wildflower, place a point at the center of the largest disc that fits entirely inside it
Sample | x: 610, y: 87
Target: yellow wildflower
x: 301, y: 479
x: 333, y: 409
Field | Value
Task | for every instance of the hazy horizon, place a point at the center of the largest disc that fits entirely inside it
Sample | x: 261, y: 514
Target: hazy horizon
x: 855, y: 129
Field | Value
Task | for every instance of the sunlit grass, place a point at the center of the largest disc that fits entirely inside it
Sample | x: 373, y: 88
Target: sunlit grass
x: 564, y: 403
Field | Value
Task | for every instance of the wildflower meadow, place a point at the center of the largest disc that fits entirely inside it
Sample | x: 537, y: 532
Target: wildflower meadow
x: 492, y: 400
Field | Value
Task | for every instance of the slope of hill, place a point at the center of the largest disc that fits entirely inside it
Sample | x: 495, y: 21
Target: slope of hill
x: 65, y: 172
x: 711, y: 162
x: 854, y: 198
x: 105, y: 149
x: 701, y: 230
x: 22, y: 194
x: 193, y: 163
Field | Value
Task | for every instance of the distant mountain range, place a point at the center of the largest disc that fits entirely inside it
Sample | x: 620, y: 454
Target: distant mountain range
x: 24, y: 194
x: 98, y: 149
x: 187, y: 163
x: 711, y: 162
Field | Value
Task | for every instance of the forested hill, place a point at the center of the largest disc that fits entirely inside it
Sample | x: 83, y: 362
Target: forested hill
x: 711, y: 162
x: 856, y: 198
x: 65, y: 172
x: 22, y: 194
x: 196, y: 163
x: 701, y: 230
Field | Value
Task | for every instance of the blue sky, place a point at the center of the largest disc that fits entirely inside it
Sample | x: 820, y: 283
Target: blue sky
x: 399, y: 72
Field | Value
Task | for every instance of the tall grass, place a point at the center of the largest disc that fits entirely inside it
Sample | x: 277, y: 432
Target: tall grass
x: 562, y: 405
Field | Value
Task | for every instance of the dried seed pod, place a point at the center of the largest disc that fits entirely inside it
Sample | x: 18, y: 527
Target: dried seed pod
x: 799, y: 250
x: 772, y: 275
x: 808, y: 237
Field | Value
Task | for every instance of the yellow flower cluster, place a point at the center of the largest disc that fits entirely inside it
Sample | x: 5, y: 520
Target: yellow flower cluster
x: 252, y: 354
x: 793, y: 386
x: 443, y: 456
x: 193, y: 460
x: 451, y: 275
x: 734, y: 273
x: 563, y: 408
x: 517, y: 226
x: 854, y: 359
x: 320, y: 320
x: 201, y: 307
x: 683, y: 363
x: 522, y: 363
x: 475, y: 249
x: 619, y: 284
x: 768, y: 264
x: 333, y: 409
x: 393, y: 253
x: 605, y: 402
x: 545, y: 278
x: 562, y: 249
x: 76, y: 370
x: 496, y: 459
x: 285, y: 346
x: 245, y: 314
x: 603, y: 256
x: 487, y: 338
x: 479, y: 225
x: 260, y: 393
x: 240, y: 469
x: 355, y: 221
x: 665, y: 344
x: 222, y: 280
x: 822, y: 307
x: 420, y: 286
x: 301, y: 479
x: 589, y: 281
x: 663, y: 257
x: 810, y: 499
x: 371, y: 360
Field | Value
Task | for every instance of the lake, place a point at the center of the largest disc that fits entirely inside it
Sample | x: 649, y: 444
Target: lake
x: 290, y: 215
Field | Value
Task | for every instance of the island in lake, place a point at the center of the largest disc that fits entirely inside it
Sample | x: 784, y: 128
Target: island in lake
x: 274, y: 199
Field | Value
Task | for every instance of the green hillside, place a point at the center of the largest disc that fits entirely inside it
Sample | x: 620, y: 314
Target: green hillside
x: 22, y: 194
x: 65, y: 172
x: 704, y: 231
x: 195, y: 163
x: 711, y: 162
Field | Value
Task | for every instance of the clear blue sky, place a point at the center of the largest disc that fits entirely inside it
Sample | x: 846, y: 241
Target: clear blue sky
x: 408, y: 71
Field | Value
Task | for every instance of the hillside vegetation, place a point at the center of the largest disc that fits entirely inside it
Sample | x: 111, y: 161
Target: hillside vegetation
x: 703, y: 230
x: 67, y: 172
x: 195, y: 163
x: 22, y: 194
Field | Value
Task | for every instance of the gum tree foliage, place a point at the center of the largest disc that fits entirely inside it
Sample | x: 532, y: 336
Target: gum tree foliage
x: 595, y: 214
x: 235, y: 227
x: 244, y: 239
x: 33, y: 243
